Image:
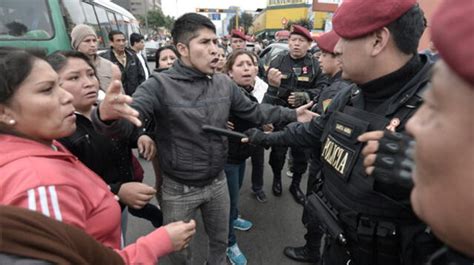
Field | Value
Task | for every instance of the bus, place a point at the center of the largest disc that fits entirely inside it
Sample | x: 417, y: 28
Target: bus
x: 47, y: 24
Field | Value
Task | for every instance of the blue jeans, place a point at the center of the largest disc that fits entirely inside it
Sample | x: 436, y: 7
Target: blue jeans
x: 181, y: 202
x: 235, y: 177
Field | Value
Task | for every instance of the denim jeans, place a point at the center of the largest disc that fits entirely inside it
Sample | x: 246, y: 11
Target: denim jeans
x: 181, y: 202
x: 235, y: 177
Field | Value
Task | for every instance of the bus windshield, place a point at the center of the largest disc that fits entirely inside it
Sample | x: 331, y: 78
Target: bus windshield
x: 22, y: 19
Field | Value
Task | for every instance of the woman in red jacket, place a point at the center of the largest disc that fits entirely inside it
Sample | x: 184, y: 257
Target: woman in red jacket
x: 38, y: 173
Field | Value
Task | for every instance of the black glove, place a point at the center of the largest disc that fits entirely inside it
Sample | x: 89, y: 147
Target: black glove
x: 394, y: 161
x: 301, y: 98
x: 256, y: 136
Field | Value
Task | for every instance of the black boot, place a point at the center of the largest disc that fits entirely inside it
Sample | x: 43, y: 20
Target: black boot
x: 301, y: 254
x: 276, y: 187
x: 298, y: 195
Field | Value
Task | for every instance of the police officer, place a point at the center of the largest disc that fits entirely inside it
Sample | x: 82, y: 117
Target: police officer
x: 238, y: 40
x: 331, y: 66
x: 443, y: 130
x: 367, y: 221
x: 293, y: 78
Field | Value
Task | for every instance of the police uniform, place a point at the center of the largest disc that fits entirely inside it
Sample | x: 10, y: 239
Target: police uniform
x: 367, y: 221
x: 376, y: 218
x: 298, y: 75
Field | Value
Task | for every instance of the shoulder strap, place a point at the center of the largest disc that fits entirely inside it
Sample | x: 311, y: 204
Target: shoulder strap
x: 411, y: 105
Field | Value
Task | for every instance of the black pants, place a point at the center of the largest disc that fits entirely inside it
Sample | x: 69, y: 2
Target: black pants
x: 277, y: 161
x: 313, y: 235
x: 257, y: 168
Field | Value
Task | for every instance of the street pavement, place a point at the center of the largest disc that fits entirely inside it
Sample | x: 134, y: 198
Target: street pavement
x: 276, y: 223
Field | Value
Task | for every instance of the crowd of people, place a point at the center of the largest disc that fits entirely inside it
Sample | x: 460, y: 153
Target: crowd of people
x: 385, y: 131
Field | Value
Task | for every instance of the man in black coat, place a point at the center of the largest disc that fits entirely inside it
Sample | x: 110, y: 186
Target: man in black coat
x: 127, y: 61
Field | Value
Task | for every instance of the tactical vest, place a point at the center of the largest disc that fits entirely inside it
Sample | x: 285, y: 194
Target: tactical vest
x: 295, y: 78
x: 379, y: 228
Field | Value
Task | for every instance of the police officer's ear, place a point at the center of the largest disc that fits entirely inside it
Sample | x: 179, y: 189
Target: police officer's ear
x: 379, y: 40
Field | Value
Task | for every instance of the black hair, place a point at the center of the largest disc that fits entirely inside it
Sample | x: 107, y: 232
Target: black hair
x: 407, y: 30
x: 185, y: 28
x: 15, y: 66
x: 135, y: 37
x: 233, y: 57
x: 158, y: 54
x: 59, y: 59
x: 112, y: 33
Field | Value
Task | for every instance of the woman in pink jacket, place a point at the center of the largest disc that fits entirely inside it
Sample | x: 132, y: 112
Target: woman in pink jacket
x: 38, y: 173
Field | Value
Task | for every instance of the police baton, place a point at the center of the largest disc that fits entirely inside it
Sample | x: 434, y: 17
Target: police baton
x: 223, y: 132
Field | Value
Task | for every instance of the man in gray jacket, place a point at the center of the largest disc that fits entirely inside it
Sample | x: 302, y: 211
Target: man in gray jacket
x: 181, y: 100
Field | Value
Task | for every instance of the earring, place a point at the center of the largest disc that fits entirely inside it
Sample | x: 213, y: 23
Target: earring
x: 11, y: 122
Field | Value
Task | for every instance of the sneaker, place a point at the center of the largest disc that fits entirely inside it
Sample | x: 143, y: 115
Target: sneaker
x: 242, y: 224
x: 289, y: 174
x: 235, y: 255
x: 260, y: 195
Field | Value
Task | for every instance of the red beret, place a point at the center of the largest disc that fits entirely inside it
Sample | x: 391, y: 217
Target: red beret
x: 300, y: 30
x: 357, y: 18
x: 327, y: 41
x: 452, y: 34
x: 282, y: 34
x: 238, y: 34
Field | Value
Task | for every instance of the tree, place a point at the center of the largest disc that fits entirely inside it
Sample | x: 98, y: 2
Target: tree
x: 305, y: 22
x: 157, y: 19
x: 245, y: 21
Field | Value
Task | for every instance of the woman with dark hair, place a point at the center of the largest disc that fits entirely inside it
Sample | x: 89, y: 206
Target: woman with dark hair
x: 240, y: 67
x: 109, y: 158
x: 165, y: 57
x: 38, y: 173
x: 222, y: 59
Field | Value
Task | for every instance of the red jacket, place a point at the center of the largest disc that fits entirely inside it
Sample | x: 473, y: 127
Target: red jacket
x: 56, y: 183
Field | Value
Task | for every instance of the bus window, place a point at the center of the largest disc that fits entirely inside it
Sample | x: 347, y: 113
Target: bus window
x: 103, y: 23
x: 112, y: 20
x: 122, y: 24
x: 72, y: 13
x: 92, y: 21
x: 22, y: 19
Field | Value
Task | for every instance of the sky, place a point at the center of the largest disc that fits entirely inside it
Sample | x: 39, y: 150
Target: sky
x: 176, y: 8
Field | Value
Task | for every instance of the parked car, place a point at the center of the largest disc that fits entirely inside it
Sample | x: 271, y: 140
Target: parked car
x: 271, y: 51
x: 150, y: 50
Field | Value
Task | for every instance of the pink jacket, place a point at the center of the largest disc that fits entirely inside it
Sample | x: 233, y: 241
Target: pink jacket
x: 57, y: 184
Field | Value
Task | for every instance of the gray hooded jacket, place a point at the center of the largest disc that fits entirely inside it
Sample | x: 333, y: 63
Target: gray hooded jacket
x: 181, y: 100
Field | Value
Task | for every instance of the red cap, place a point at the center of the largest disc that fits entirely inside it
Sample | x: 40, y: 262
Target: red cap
x: 357, y: 18
x: 452, y: 34
x: 327, y: 41
x: 300, y: 30
x: 238, y: 34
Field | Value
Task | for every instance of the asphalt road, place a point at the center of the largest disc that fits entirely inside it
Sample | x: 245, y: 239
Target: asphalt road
x: 277, y: 223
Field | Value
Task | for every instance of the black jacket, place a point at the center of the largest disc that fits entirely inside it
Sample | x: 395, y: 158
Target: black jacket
x: 132, y: 73
x: 308, y: 78
x: 239, y: 152
x: 182, y: 100
x: 109, y: 158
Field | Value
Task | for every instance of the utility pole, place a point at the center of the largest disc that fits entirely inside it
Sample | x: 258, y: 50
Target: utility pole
x: 237, y: 18
x: 146, y: 18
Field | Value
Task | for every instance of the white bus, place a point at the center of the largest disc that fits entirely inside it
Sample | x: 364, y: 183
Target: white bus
x: 48, y: 23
